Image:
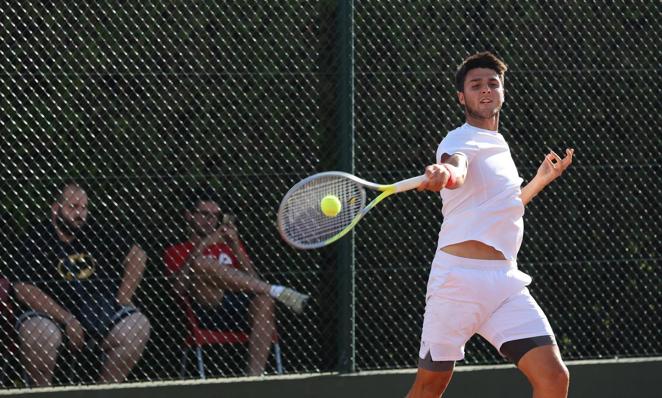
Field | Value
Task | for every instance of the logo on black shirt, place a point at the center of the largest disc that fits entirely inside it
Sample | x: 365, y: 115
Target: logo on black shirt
x: 80, y: 266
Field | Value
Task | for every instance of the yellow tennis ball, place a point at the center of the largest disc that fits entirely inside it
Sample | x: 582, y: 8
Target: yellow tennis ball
x: 330, y: 205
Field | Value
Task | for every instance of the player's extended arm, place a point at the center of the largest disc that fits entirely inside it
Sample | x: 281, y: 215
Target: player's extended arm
x: 134, y: 266
x: 449, y: 174
x: 550, y: 169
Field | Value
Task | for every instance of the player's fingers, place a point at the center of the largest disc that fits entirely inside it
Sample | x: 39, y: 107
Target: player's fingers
x: 568, y: 156
x: 433, y: 181
x: 439, y: 182
x: 566, y: 161
x: 428, y: 177
x: 555, y: 156
x: 423, y: 186
x: 431, y: 171
x: 432, y: 175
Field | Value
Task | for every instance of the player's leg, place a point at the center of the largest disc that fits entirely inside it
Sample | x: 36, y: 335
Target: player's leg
x: 521, y: 332
x: 432, y: 378
x: 123, y: 347
x: 447, y: 325
x: 40, y: 341
x: 263, y: 327
x: 453, y: 312
x: 546, y: 371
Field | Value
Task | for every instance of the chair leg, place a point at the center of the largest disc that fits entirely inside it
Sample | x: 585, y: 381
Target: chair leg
x: 279, y: 359
x: 3, y: 374
x: 201, y: 362
x: 183, y: 361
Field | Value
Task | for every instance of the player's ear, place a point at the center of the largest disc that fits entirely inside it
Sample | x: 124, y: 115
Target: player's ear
x: 460, y: 97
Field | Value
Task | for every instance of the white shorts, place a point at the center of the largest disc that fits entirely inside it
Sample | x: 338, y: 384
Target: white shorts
x: 467, y: 296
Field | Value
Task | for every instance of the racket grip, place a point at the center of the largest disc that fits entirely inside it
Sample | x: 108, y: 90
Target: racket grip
x: 409, y: 184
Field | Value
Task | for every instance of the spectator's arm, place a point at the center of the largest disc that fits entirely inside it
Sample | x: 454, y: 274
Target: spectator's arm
x: 231, y: 234
x: 178, y: 271
x: 134, y: 266
x: 36, y: 299
x: 245, y: 262
x: 194, y: 262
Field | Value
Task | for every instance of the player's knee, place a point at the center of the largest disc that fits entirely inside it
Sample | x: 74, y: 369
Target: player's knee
x: 561, y: 375
x: 431, y: 383
x: 555, y: 376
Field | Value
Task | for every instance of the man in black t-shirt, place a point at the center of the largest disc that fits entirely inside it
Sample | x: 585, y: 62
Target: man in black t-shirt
x: 67, y: 283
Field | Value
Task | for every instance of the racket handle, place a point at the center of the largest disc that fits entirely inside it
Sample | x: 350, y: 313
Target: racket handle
x: 409, y: 184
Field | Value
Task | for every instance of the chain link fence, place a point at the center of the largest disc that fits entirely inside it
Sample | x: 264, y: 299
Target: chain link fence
x: 141, y: 103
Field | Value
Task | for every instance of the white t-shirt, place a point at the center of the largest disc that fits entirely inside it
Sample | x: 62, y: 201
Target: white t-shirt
x: 487, y: 207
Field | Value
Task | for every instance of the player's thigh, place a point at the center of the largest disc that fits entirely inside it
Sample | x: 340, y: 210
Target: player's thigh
x: 447, y: 325
x: 543, y: 366
x: 518, y: 318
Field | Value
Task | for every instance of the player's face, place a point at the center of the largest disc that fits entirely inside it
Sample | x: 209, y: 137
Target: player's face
x: 205, y: 218
x: 483, y: 94
x: 72, y: 210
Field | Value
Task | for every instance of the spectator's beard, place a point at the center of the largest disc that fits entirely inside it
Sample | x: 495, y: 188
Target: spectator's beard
x: 68, y: 228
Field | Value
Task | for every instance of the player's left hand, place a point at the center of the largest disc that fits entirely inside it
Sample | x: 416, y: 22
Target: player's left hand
x: 553, y: 166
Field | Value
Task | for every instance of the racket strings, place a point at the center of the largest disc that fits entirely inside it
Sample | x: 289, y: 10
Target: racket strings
x: 302, y: 220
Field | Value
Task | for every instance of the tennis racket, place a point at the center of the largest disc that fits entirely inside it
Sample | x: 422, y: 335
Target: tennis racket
x: 301, y: 222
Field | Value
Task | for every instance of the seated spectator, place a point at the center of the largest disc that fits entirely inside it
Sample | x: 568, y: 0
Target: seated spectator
x: 214, y: 270
x: 67, y: 283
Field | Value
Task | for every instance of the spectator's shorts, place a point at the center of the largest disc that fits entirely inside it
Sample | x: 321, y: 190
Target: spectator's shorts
x: 467, y: 296
x: 230, y: 315
x: 97, y: 326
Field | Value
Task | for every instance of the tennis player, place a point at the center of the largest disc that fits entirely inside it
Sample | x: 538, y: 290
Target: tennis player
x: 474, y: 284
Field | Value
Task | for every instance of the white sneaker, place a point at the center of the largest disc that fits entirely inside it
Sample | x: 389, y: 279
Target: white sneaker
x: 294, y: 300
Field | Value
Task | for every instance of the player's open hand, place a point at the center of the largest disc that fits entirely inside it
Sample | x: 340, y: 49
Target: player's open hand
x: 553, y: 166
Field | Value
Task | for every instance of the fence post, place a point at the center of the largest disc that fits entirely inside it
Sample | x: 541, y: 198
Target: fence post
x: 345, y: 140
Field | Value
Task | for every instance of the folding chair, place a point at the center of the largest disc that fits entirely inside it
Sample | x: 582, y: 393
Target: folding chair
x: 198, y: 338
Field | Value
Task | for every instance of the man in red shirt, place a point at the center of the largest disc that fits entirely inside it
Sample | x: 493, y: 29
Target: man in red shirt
x: 213, y: 269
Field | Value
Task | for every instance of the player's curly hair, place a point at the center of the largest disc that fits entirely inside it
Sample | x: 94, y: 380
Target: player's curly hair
x: 479, y: 60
